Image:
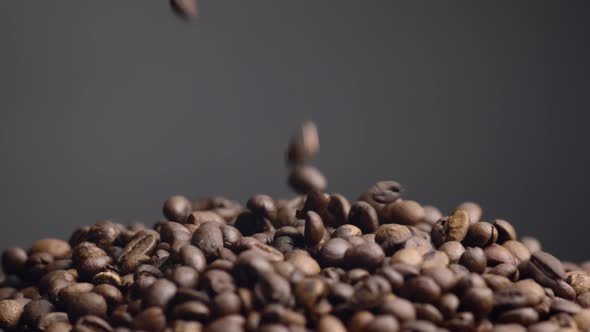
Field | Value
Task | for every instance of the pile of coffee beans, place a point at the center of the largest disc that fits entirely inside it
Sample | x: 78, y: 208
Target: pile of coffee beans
x: 315, y: 262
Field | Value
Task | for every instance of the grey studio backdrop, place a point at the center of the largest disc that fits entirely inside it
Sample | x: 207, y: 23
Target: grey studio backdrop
x: 108, y: 107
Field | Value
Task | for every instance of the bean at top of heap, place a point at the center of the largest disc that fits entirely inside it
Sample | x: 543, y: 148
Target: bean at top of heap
x: 315, y: 262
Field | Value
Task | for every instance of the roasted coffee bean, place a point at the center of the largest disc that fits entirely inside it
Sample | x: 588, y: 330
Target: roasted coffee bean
x: 13, y: 260
x: 391, y: 237
x: 481, y: 234
x: 367, y: 255
x: 55, y: 247
x: 431, y: 214
x: 34, y: 311
x: 250, y: 224
x: 478, y: 300
x: 428, y: 312
x: 305, y: 145
x: 403, y: 212
x: 310, y: 291
x: 138, y: 250
x: 209, y: 238
x: 87, y: 304
x: 383, y: 193
x: 506, y: 231
x: 453, y: 249
x: 192, y: 256
x: 443, y: 276
x: 521, y: 316
x: 383, y: 323
x: 10, y: 313
x: 151, y: 319
x: 110, y: 293
x: 546, y: 326
x: 547, y: 264
x: 473, y: 210
x: 562, y: 305
x: 55, y: 322
x: 303, y: 262
x: 177, y: 208
x: 364, y: 216
x: 453, y: 228
x: 400, y: 308
x: 421, y: 289
x: 314, y: 228
x: 336, y: 213
x: 474, y: 259
x: 531, y: 243
x: 448, y: 305
x: 496, y: 254
x: 330, y: 324
x: 411, y: 256
x: 304, y: 178
x: 333, y: 252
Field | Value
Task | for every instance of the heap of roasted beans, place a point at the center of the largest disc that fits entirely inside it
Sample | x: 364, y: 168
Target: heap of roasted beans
x: 315, y: 262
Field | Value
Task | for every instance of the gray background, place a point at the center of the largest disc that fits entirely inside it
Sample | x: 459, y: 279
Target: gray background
x: 108, y: 107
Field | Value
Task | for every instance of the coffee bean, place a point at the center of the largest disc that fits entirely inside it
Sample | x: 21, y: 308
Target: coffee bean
x: 13, y: 260
x: 579, y: 280
x: 421, y: 289
x: 34, y: 311
x: 304, y: 178
x: 453, y: 228
x: 506, y: 231
x: 151, y: 319
x: 400, y: 308
x: 177, y: 208
x: 303, y: 262
x: 382, y: 193
x: 87, y: 304
x: 522, y: 316
x: 428, y: 312
x: 403, y: 212
x: 547, y: 264
x: 448, y: 305
x: 479, y: 301
x: 582, y: 319
x: 330, y: 324
x: 364, y: 216
x: 209, y: 238
x: 546, y: 326
x: 314, y: 228
x: 10, y: 313
x: 383, y: 323
x: 496, y: 254
x: 531, y: 243
x: 310, y: 291
x: 473, y: 210
x: 305, y: 145
x: 481, y: 234
x: 474, y: 259
x: 453, y: 249
x: 392, y: 236
x: 532, y: 291
x: 192, y: 256
x: 55, y: 247
x: 562, y: 305
x: 367, y: 256
x: 332, y: 253
x: 138, y: 250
